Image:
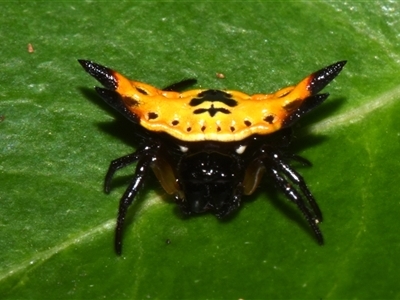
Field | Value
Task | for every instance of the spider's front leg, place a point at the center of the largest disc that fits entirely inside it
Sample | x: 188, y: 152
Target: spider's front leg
x: 295, y: 189
x: 297, y: 179
x: 123, y: 162
x: 144, y: 157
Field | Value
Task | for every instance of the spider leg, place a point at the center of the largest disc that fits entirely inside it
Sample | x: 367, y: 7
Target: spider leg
x: 302, y: 160
x: 120, y: 163
x: 296, y: 178
x: 181, y: 85
x: 142, y: 168
x: 295, y: 197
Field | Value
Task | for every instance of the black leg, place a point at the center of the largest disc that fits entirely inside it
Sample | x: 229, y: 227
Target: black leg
x: 120, y: 163
x: 297, y: 179
x: 292, y: 194
x: 179, y: 86
x: 302, y: 160
x: 142, y: 168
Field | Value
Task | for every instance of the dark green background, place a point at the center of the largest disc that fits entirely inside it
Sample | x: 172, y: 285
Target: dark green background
x: 57, y: 138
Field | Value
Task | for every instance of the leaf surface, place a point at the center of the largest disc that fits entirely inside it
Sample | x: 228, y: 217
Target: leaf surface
x: 58, y: 138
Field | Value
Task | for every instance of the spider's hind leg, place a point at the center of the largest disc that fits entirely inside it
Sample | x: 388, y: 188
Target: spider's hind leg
x: 295, y: 189
x: 144, y: 157
x: 298, y: 180
x: 181, y: 85
x: 117, y: 164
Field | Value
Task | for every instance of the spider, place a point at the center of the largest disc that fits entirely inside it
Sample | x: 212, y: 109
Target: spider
x: 210, y: 147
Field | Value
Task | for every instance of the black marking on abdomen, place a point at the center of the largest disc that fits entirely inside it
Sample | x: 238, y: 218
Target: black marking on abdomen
x: 212, y: 110
x: 213, y: 96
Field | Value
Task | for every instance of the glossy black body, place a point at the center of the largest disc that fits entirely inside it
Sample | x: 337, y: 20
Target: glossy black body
x: 211, y: 182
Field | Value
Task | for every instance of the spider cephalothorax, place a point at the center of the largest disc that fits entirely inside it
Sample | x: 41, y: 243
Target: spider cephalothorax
x: 209, y: 147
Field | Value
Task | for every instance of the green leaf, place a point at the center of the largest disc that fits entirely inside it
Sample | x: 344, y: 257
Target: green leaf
x: 57, y: 137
